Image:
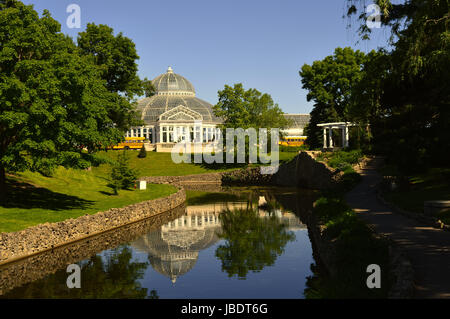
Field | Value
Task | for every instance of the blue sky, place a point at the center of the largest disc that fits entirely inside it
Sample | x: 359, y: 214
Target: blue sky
x: 260, y: 43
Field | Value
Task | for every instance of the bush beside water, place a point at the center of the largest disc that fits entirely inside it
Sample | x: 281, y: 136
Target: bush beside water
x: 355, y: 247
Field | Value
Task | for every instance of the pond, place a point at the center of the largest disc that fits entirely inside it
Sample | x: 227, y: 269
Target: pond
x: 231, y: 243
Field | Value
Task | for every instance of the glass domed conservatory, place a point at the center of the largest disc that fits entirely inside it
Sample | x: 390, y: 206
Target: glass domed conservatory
x: 174, y: 114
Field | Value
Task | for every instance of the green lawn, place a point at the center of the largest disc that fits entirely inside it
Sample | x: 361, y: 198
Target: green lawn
x: 161, y: 164
x: 158, y: 164
x: 432, y: 185
x: 34, y: 199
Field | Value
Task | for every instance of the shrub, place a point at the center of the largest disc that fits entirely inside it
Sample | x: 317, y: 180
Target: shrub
x: 142, y: 152
x: 122, y: 176
x: 356, y: 247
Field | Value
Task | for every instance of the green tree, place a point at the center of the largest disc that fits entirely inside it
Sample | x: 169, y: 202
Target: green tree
x: 366, y: 95
x: 415, y: 120
x: 122, y: 176
x: 142, y: 152
x: 149, y: 88
x: 250, y: 108
x: 329, y: 83
x: 240, y: 108
x: 251, y: 242
x: 58, y: 103
x: 116, y: 57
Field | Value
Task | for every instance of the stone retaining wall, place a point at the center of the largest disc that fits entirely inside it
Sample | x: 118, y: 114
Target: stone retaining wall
x: 40, y: 238
x: 247, y: 176
x: 198, y: 178
x: 38, y: 266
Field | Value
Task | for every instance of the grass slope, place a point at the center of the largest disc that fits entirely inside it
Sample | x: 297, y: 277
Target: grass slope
x: 161, y: 164
x: 34, y: 199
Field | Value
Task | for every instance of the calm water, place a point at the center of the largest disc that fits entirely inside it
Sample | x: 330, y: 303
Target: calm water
x: 241, y: 243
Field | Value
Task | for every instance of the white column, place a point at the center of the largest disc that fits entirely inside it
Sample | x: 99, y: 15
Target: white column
x: 343, y: 136
x: 346, y: 136
x: 330, y: 136
x: 324, y: 137
x: 160, y: 134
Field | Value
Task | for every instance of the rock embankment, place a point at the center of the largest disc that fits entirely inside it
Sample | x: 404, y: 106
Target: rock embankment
x: 180, y: 180
x: 40, y: 238
x: 302, y: 171
x: 38, y: 266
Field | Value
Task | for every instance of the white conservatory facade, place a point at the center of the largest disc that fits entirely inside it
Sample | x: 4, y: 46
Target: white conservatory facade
x: 174, y: 114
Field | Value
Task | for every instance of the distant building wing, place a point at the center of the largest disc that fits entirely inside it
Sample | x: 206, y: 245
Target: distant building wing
x: 298, y: 123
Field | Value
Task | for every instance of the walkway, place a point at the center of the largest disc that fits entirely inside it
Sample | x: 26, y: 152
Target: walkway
x: 428, y: 248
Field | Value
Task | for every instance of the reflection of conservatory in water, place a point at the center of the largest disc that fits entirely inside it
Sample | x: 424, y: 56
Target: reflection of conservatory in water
x: 173, y: 250
x: 174, y: 114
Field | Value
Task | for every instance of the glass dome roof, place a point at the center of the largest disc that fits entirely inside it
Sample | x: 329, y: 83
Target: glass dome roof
x: 170, y: 82
x: 173, y: 90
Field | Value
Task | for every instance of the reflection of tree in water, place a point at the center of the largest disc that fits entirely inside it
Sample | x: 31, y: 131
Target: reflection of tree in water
x: 112, y: 276
x: 252, y: 242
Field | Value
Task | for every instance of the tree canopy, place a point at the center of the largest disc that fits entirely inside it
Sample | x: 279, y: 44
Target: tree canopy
x: 401, y: 90
x: 330, y: 83
x: 250, y: 108
x: 60, y: 102
x: 413, y: 84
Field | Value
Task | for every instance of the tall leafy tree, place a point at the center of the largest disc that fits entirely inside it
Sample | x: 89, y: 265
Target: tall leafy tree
x: 116, y: 57
x: 416, y: 93
x: 57, y: 106
x: 250, y: 108
x: 329, y: 83
x: 366, y: 95
x: 240, y: 108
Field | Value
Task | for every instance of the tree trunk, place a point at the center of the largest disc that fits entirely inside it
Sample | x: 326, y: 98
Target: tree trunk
x: 2, y: 184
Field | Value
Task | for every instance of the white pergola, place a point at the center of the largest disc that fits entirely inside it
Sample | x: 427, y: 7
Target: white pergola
x: 343, y: 126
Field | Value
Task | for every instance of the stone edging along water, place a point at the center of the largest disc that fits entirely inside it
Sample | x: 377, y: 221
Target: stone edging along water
x: 37, y: 239
x: 24, y: 271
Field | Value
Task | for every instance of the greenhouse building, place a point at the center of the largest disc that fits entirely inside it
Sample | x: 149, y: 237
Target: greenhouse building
x: 174, y: 114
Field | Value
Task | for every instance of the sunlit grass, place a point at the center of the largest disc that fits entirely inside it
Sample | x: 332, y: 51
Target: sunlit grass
x: 69, y: 193
x: 432, y: 185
